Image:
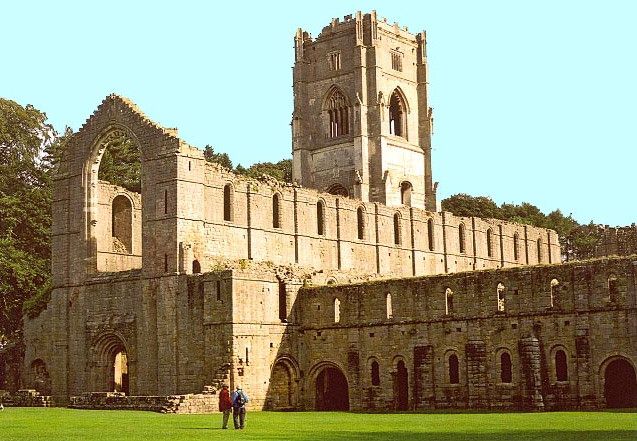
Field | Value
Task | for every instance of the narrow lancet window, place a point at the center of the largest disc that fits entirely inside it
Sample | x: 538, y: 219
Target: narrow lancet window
x: 461, y: 238
x: 228, y: 203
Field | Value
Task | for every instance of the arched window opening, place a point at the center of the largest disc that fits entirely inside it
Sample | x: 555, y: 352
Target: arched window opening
x: 554, y: 285
x: 540, y: 257
x: 397, y: 235
x: 360, y: 221
x: 283, y: 302
x: 338, y: 114
x: 430, y: 233
x: 122, y: 225
x: 489, y: 242
x: 375, y: 374
x: 228, y: 203
x: 461, y: 238
x: 338, y: 190
x: 320, y: 218
x: 337, y: 310
x: 561, y: 366
x: 448, y: 301
x: 196, y: 267
x: 501, y: 297
x: 454, y: 372
x: 613, y: 289
x: 506, y: 375
x: 397, y: 115
x: 516, y: 250
x: 276, y: 211
x: 405, y: 193
x: 388, y: 306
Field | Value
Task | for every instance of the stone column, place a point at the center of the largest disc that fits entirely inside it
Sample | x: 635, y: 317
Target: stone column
x: 531, y: 368
x: 476, y: 373
x: 424, y: 389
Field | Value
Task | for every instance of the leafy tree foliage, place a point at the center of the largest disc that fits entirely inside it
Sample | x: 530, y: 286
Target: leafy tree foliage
x: 576, y: 241
x: 121, y: 165
x: 25, y: 217
x: 282, y: 170
x: 220, y: 158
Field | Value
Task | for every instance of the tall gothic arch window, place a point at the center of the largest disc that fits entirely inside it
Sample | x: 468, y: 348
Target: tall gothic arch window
x: 122, y: 224
x: 539, y: 250
x: 516, y: 243
x: 397, y: 238
x: 337, y: 108
x: 228, y: 203
x: 320, y: 217
x: 430, y: 233
x: 461, y: 238
x: 397, y: 115
x: 490, y: 242
x: 276, y: 210
x: 360, y: 221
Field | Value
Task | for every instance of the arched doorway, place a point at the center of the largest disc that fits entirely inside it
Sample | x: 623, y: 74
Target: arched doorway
x: 331, y: 390
x: 620, y: 384
x: 402, y: 386
x: 111, y: 365
x: 282, y: 393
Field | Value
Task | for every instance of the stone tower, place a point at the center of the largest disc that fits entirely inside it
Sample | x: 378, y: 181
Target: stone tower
x: 361, y: 125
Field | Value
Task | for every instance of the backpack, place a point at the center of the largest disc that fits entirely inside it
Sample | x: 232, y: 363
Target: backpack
x: 239, y: 399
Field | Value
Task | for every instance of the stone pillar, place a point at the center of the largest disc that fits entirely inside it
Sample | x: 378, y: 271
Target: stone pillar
x: 586, y: 389
x: 476, y: 373
x: 531, y: 368
x: 424, y: 391
x: 353, y: 374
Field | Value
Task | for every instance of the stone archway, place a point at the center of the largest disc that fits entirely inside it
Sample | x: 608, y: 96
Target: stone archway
x: 110, y: 366
x: 282, y: 393
x: 620, y: 384
x: 331, y: 388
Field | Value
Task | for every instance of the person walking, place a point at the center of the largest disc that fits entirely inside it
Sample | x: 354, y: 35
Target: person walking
x: 225, y: 405
x: 239, y: 401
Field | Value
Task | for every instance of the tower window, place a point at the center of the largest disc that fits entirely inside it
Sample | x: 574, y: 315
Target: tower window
x: 397, y: 115
x: 397, y: 61
x: 320, y: 218
x: 276, y: 210
x: 388, y: 306
x: 613, y: 290
x: 360, y: 221
x: 228, y: 203
x: 461, y: 238
x: 338, y: 114
x: 405, y: 193
x: 334, y: 60
x: 554, y: 284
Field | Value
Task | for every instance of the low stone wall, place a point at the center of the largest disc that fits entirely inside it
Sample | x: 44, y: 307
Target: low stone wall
x: 182, y: 404
x: 26, y: 398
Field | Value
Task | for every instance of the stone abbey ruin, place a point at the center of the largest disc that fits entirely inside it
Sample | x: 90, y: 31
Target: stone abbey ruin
x: 345, y: 290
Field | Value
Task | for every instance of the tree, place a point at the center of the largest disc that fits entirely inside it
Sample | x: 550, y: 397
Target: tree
x: 281, y: 171
x: 220, y: 158
x: 465, y: 205
x: 25, y: 221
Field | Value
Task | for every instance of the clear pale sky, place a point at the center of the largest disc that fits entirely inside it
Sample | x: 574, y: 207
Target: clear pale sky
x: 533, y: 101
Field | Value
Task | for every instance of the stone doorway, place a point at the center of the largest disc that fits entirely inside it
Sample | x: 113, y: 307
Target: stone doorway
x: 331, y: 390
x: 402, y: 386
x: 111, y: 365
x: 620, y: 384
x: 282, y: 393
x: 120, y: 373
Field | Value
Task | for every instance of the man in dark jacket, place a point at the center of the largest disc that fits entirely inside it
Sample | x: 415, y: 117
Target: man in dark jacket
x: 239, y: 400
x: 225, y: 404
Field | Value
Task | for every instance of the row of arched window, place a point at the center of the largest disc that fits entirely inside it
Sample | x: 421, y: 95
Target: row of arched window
x: 462, y: 247
x: 406, y: 189
x: 505, y: 368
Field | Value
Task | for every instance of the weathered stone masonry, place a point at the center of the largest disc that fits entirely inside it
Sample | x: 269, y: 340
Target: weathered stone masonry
x: 208, y: 277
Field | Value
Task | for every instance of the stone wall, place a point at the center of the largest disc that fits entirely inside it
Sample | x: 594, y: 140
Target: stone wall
x: 617, y: 241
x: 181, y: 404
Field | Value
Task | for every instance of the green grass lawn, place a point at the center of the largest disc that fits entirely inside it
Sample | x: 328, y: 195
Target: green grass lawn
x: 66, y: 424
